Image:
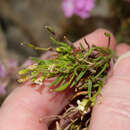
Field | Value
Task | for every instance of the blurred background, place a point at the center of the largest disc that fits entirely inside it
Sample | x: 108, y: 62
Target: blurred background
x: 24, y: 21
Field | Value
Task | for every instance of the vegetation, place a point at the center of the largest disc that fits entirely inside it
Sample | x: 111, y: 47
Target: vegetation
x: 83, y: 70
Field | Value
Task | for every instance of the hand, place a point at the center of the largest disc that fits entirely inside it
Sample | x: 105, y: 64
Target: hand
x: 25, y: 106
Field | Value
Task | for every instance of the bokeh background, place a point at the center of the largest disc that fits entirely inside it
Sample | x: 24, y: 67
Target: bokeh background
x: 24, y: 21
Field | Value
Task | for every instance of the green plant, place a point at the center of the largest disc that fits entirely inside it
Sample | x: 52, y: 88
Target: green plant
x: 83, y: 70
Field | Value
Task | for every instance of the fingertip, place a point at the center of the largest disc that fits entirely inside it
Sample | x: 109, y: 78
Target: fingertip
x: 122, y: 48
x: 97, y: 38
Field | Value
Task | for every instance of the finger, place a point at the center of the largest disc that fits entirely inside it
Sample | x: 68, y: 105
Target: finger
x: 23, y: 109
x: 122, y: 48
x: 97, y: 38
x: 25, y: 106
x: 113, y: 113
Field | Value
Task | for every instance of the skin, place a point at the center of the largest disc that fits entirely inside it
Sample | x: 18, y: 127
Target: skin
x: 25, y: 106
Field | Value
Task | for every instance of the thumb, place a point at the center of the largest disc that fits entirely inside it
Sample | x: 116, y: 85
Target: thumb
x: 113, y: 113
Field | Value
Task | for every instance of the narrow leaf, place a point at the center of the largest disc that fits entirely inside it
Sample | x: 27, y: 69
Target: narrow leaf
x: 81, y: 46
x: 34, y: 47
x: 57, y: 42
x: 81, y: 74
x: 89, y: 88
x: 64, y: 86
x: 57, y: 81
x: 107, y: 34
x: 24, y: 71
x: 50, y: 29
x: 61, y: 88
x: 103, y: 69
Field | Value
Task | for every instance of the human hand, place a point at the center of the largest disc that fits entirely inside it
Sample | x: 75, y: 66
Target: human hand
x: 25, y: 106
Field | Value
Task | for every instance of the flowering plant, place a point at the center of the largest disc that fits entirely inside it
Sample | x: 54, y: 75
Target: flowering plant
x: 83, y: 70
x: 81, y: 8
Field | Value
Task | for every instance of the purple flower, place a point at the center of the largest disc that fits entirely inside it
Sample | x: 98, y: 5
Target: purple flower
x: 68, y: 7
x: 3, y: 71
x: 2, y: 90
x: 78, y: 7
x: 12, y: 65
x: 8, y: 69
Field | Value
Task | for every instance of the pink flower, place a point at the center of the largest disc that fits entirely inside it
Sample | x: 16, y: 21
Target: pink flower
x: 78, y: 7
x: 2, y: 89
x: 3, y: 71
x: 8, y: 69
x: 68, y: 7
x: 12, y: 65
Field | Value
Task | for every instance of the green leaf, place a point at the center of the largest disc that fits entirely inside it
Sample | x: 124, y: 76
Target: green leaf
x: 98, y: 58
x: 103, y: 69
x: 81, y: 74
x: 107, y: 34
x: 57, y: 42
x: 37, y: 60
x: 89, y: 88
x: 33, y: 79
x: 90, y: 51
x: 57, y: 81
x: 76, y: 70
x: 93, y: 99
x: 61, y: 88
x: 23, y: 71
x: 81, y: 46
x: 50, y: 29
x: 34, y: 47
x: 64, y: 86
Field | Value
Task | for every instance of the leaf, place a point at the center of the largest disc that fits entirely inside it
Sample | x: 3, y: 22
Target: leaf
x: 79, y: 67
x: 81, y: 46
x: 87, y: 43
x: 61, y: 88
x: 28, y: 44
x: 89, y: 51
x: 50, y: 29
x: 57, y: 81
x: 33, y: 79
x: 107, y: 34
x: 34, y: 47
x: 75, y: 70
x: 23, y: 71
x: 23, y: 79
x: 98, y: 58
x: 93, y: 99
x: 64, y: 86
x: 103, y: 69
x: 57, y: 42
x: 89, y: 88
x: 62, y: 49
x: 78, y: 78
x: 37, y: 60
